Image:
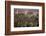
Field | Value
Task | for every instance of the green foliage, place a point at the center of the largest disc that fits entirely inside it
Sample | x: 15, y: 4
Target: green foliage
x: 28, y: 20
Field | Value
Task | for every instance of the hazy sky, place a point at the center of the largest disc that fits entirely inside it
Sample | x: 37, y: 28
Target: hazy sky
x: 17, y: 10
